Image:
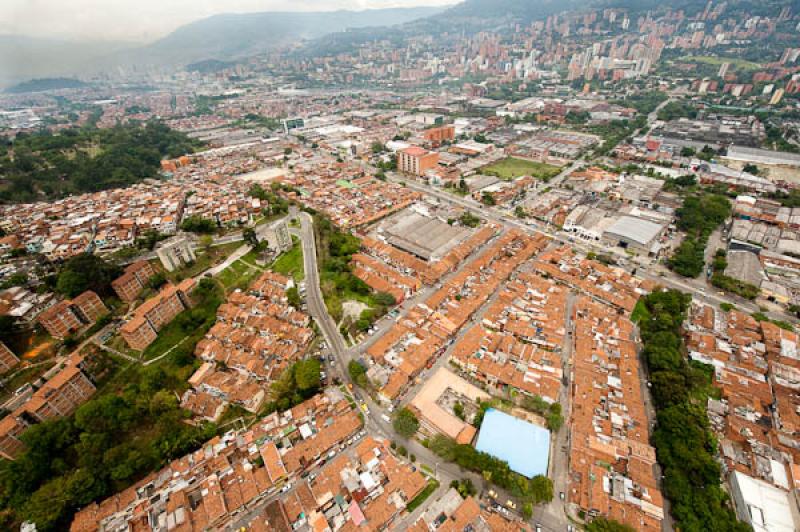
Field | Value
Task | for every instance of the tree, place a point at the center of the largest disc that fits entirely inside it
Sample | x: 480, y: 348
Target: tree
x: 199, y: 225
x: 468, y: 219
x: 206, y: 242
x: 250, y: 236
x: 358, y: 373
x: 405, y: 423
x: 750, y: 168
x: 307, y: 374
x: 488, y: 199
x: 157, y: 280
x: 293, y: 297
x: 541, y: 489
x: 519, y: 212
x: 527, y: 511
x: 601, y: 524
x: 86, y: 272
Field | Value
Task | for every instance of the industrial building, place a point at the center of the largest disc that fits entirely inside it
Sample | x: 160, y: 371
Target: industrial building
x: 525, y: 446
x: 424, y: 236
x: 636, y: 234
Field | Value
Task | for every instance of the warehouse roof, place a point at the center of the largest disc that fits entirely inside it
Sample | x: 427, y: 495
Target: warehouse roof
x: 635, y: 230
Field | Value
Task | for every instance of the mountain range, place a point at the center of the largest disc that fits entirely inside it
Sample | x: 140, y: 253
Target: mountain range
x: 216, y: 40
x: 220, y: 37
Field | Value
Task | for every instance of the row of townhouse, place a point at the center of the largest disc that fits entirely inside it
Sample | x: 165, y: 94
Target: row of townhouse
x: 425, y: 332
x: 231, y: 476
x: 756, y: 367
x: 429, y: 272
x: 611, y: 461
x: 607, y: 283
x: 257, y: 336
x: 346, y: 195
x: 517, y: 345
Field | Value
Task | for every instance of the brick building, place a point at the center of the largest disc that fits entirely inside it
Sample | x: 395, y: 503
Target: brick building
x: 60, y: 396
x: 437, y: 135
x: 416, y: 160
x: 130, y: 284
x: 7, y: 358
x: 155, y: 313
x: 69, y: 316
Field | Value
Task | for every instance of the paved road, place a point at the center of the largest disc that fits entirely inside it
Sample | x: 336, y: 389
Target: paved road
x: 314, y: 299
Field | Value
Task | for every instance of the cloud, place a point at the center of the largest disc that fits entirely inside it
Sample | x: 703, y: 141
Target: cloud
x: 147, y: 20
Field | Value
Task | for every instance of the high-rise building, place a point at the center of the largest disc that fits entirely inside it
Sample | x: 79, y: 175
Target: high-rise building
x: 176, y: 252
x: 416, y: 160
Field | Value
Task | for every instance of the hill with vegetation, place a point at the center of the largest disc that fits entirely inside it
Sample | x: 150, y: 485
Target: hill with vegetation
x: 45, y: 84
x: 44, y: 166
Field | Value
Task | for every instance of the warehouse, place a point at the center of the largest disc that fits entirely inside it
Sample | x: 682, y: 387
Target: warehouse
x: 426, y: 237
x: 525, y: 446
x: 635, y: 234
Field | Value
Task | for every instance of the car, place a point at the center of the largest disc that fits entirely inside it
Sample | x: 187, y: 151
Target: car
x: 492, y: 494
x: 538, y: 527
x: 561, y: 496
x: 286, y: 487
x: 511, y: 504
x: 386, y: 418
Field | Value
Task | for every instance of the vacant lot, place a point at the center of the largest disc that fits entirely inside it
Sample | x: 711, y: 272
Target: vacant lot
x: 738, y: 64
x: 510, y: 168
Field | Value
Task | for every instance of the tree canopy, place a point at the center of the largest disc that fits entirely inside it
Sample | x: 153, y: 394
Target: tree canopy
x: 87, y: 159
x: 86, y: 272
x: 685, y: 445
x: 405, y: 423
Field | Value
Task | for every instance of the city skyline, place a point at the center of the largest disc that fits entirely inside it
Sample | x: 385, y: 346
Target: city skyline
x: 141, y: 22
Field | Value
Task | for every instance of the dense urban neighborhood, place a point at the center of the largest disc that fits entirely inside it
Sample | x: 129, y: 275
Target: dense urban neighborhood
x: 491, y: 266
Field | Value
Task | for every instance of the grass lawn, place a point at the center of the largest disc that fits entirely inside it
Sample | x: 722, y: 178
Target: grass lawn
x: 23, y: 376
x: 188, y: 327
x: 739, y: 64
x: 640, y: 312
x: 234, y: 273
x: 424, y: 494
x: 510, y: 168
x: 290, y: 263
x: 205, y: 260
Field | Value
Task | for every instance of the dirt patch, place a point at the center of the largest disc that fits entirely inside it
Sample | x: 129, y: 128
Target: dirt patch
x: 38, y: 350
x: 351, y: 310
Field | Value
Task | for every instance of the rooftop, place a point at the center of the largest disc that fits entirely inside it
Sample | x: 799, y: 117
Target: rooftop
x: 525, y: 446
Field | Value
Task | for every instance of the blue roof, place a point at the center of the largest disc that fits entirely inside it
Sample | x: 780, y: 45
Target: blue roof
x: 525, y: 446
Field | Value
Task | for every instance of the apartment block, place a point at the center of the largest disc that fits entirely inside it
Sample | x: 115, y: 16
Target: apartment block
x: 416, y: 160
x: 131, y: 283
x: 89, y: 307
x: 69, y: 316
x: 176, y: 252
x: 437, y: 135
x: 155, y: 313
x: 68, y: 389
x: 8, y: 359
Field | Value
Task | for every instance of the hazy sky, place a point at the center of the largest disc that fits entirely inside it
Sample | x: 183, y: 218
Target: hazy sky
x: 145, y: 20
